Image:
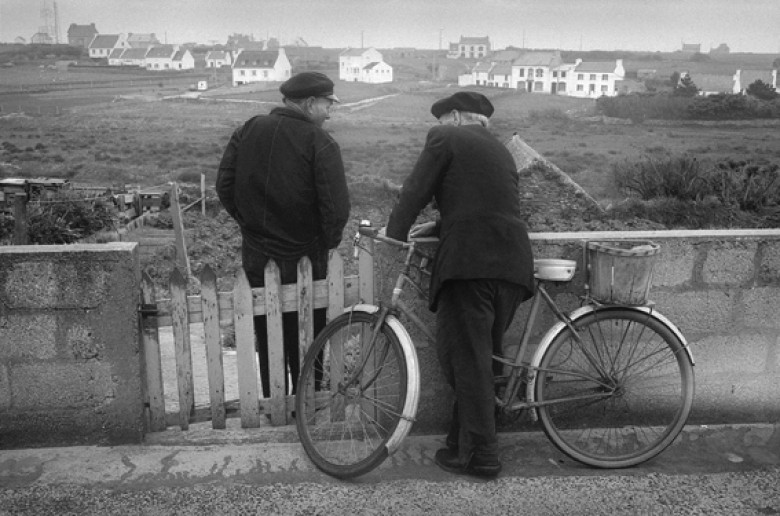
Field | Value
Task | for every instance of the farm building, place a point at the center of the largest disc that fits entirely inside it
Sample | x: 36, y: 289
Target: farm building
x: 538, y: 72
x: 218, y: 59
x: 712, y: 83
x: 253, y: 66
x: 81, y: 35
x: 364, y: 65
x: 745, y: 78
x: 470, y: 48
x: 102, y: 45
x: 595, y: 78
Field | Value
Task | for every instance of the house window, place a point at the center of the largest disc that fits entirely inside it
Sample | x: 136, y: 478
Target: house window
x: 593, y: 77
x: 563, y: 75
x: 561, y: 86
x: 580, y: 87
x: 555, y: 74
x: 265, y: 74
x: 604, y: 77
x: 538, y: 86
x: 604, y: 87
x: 580, y: 76
x: 592, y: 88
x: 522, y: 72
x: 254, y: 73
x: 243, y: 72
x: 539, y: 72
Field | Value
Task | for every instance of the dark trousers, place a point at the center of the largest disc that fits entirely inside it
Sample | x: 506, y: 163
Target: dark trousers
x: 254, y: 265
x: 472, y: 317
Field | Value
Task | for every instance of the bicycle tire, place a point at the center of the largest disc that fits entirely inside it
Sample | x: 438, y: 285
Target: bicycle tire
x: 345, y: 429
x: 645, y: 384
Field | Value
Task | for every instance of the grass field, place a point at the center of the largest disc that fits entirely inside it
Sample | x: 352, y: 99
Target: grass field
x: 126, y: 133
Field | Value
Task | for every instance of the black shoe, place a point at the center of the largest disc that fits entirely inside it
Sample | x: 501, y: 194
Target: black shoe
x: 447, y: 460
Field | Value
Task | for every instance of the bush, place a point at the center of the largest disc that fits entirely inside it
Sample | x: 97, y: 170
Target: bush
x: 682, y: 177
x: 747, y: 186
x: 66, y: 221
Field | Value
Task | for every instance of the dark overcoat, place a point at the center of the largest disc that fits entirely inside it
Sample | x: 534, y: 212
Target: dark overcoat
x: 473, y: 179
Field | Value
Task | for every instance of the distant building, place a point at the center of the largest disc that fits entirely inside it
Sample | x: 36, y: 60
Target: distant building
x: 81, y: 35
x: 102, y: 45
x: 744, y: 78
x: 691, y: 48
x: 183, y: 60
x: 251, y: 66
x: 160, y: 57
x: 470, y: 48
x: 142, y: 40
x: 539, y: 72
x: 595, y: 78
x: 722, y: 49
x: 713, y: 83
x: 218, y: 59
x: 364, y: 65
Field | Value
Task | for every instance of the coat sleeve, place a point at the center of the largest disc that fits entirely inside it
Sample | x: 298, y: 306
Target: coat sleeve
x: 226, y: 175
x: 332, y: 193
x: 419, y: 188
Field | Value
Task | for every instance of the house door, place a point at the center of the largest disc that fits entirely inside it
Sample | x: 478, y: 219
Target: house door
x: 554, y: 88
x: 529, y: 86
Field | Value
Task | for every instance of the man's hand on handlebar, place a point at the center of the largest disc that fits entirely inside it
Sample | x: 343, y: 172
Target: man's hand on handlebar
x: 426, y: 229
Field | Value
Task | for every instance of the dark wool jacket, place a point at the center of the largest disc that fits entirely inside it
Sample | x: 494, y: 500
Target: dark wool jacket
x: 282, y: 178
x: 473, y: 179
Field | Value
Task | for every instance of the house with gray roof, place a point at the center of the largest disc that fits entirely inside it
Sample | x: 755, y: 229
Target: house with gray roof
x: 160, y: 57
x: 251, y: 66
x: 183, y: 60
x: 81, y: 35
x: 102, y: 45
x: 470, y: 48
x: 364, y: 65
x: 538, y: 72
x: 745, y: 78
x: 218, y: 59
x: 592, y: 79
x: 713, y: 83
x: 136, y: 40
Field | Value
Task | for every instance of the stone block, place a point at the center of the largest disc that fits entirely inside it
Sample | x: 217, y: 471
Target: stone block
x: 674, y: 265
x: 60, y: 385
x: 28, y: 336
x: 61, y: 281
x: 730, y: 263
x: 5, y: 388
x: 761, y: 307
x: 718, y: 354
x: 704, y: 311
x: 769, y: 268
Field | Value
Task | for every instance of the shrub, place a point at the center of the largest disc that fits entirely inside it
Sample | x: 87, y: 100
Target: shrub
x: 681, y: 177
x: 65, y: 221
x: 746, y: 185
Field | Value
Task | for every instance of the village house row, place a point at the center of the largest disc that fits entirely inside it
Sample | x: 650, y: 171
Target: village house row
x: 528, y: 71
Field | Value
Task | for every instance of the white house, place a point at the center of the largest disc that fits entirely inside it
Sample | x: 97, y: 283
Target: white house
x: 744, y: 78
x: 593, y: 79
x: 538, y: 72
x: 470, y: 48
x: 261, y: 66
x: 161, y: 58
x: 134, y: 57
x: 102, y: 45
x: 364, y: 65
x: 218, y: 59
x: 183, y: 60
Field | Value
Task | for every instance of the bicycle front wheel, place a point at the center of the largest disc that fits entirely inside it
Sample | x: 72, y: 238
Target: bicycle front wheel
x: 351, y: 395
x: 620, y: 394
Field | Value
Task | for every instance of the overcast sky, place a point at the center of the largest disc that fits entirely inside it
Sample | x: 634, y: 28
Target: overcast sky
x: 744, y: 25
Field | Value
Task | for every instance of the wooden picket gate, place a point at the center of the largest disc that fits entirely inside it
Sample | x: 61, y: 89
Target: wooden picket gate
x: 239, y: 307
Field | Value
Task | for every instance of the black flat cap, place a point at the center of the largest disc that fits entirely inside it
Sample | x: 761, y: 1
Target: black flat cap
x: 463, y: 101
x: 308, y: 84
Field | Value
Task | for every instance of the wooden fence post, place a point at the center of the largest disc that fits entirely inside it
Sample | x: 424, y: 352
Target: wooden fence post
x: 154, y: 388
x: 20, y: 219
x: 183, y: 350
x: 182, y: 260
x: 243, y: 320
x: 216, y: 374
x: 277, y: 370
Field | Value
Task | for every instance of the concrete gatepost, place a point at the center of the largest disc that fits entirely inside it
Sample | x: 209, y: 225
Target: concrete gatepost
x: 70, y: 360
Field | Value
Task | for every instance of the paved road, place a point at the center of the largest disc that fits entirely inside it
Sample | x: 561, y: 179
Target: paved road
x: 720, y: 470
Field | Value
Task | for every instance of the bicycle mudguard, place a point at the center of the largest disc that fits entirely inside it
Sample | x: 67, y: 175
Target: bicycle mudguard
x: 579, y: 313
x: 412, y: 375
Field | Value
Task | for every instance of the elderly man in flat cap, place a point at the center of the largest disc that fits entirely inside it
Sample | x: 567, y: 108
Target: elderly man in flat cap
x: 483, y: 267
x: 282, y: 179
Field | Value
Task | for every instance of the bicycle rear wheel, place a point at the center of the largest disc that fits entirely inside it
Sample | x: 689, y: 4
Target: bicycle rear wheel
x: 621, y: 395
x: 351, y: 395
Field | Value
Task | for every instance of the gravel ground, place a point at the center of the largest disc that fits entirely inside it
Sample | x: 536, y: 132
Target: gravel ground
x: 743, y: 493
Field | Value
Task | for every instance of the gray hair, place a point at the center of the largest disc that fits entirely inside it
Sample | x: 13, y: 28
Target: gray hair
x: 468, y: 117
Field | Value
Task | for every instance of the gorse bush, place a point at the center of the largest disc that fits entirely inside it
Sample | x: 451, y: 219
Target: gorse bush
x: 683, y: 192
x: 663, y: 106
x: 680, y: 177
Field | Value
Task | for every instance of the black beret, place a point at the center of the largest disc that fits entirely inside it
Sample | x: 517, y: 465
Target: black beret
x: 308, y: 84
x: 463, y: 101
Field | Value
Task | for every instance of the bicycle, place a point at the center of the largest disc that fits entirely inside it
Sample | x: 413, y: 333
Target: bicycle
x: 611, y: 385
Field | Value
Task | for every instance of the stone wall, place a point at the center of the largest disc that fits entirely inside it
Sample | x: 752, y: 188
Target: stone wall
x: 721, y: 288
x: 70, y: 365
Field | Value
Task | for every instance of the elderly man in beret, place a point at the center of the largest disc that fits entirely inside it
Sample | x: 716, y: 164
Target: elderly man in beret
x: 483, y: 267
x: 282, y: 179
